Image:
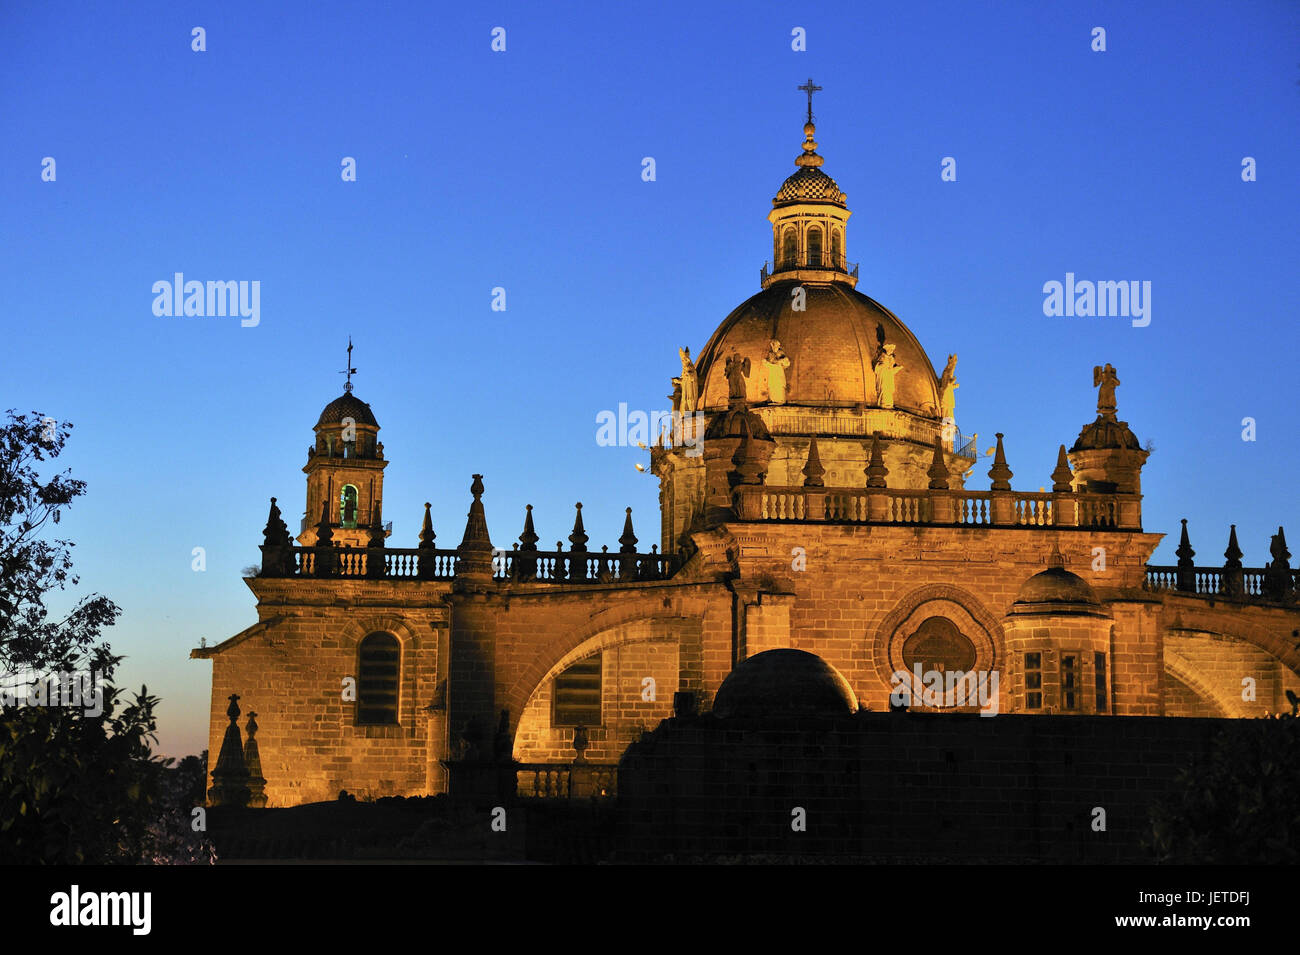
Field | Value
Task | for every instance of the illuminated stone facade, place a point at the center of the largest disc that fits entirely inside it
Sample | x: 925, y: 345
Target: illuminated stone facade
x: 821, y: 500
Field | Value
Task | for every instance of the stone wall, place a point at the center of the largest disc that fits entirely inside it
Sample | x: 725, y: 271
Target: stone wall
x: 290, y: 671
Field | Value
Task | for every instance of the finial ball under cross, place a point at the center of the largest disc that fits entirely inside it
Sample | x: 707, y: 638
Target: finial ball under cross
x: 809, y: 88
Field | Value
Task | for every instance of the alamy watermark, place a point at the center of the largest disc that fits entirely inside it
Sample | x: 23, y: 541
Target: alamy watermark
x: 940, y: 689
x: 74, y: 689
x: 195, y: 299
x: 678, y: 429
x: 1085, y: 299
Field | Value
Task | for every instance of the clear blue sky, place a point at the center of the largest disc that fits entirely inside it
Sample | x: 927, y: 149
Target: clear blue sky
x: 522, y: 169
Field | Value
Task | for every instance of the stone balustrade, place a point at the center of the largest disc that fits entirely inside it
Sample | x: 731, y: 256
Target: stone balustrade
x: 1241, y: 583
x: 938, y: 507
x: 566, y: 780
x: 414, y: 563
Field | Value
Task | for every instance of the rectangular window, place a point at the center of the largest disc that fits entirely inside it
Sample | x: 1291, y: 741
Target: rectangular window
x: 577, y: 694
x: 1099, y: 672
x: 1034, y: 681
x: 1069, y: 681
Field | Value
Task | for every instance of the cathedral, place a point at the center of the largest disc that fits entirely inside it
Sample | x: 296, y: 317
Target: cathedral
x: 816, y: 495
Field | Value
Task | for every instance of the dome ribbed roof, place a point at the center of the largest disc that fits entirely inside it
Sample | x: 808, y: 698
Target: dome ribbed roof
x: 784, y: 683
x: 347, y: 405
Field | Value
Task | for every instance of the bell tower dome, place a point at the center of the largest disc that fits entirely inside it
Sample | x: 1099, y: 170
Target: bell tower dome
x: 345, y: 471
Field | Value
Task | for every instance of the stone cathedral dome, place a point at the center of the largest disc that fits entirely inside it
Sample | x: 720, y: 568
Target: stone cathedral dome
x: 832, y: 334
x: 832, y: 345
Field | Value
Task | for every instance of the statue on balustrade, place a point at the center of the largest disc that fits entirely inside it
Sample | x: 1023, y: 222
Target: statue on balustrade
x: 737, y: 370
x: 776, y: 361
x: 690, y: 381
x: 1105, y: 381
x: 887, y: 369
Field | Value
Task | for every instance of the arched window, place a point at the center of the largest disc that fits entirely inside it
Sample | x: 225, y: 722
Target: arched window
x: 577, y: 694
x: 837, y: 249
x: 815, y: 247
x: 789, y: 247
x: 348, y: 506
x: 378, y: 668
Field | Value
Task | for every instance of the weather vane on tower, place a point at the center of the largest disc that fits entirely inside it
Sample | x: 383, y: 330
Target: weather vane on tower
x: 809, y: 88
x: 349, y: 371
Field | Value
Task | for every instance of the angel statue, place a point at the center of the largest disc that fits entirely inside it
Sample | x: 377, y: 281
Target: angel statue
x: 1105, y: 381
x: 737, y: 369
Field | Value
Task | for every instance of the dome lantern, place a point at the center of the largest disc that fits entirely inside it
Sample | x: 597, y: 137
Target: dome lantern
x: 809, y: 217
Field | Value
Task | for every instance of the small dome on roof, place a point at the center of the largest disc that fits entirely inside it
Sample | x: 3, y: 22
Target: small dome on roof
x: 1056, y: 590
x: 809, y: 184
x: 1056, y: 585
x: 347, y: 405
x: 1106, y: 433
x: 784, y: 683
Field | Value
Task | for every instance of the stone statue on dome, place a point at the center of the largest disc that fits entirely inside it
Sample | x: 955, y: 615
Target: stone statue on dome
x: 776, y: 361
x: 737, y: 370
x: 887, y: 369
x: 947, y: 390
x: 690, y: 381
x: 1105, y: 380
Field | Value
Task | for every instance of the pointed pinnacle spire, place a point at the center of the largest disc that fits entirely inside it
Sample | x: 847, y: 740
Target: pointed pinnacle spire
x: 876, y: 470
x: 476, y: 530
x: 1000, y: 473
x: 1062, y: 476
x: 426, y: 529
x: 528, y: 539
x: 230, y: 777
x: 628, y: 540
x: 1056, y: 560
x: 748, y: 466
x: 813, y: 471
x: 578, y: 539
x: 324, y: 535
x: 276, y: 532
x: 1184, y: 552
x: 1233, y: 553
x: 377, y: 534
x: 938, y: 470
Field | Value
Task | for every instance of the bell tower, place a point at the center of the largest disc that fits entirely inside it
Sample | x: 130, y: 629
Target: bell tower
x: 345, y: 471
